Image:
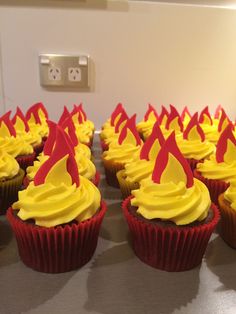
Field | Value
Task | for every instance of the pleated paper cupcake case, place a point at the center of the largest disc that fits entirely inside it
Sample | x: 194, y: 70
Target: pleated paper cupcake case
x: 59, y: 249
x: 9, y: 191
x: 168, y: 248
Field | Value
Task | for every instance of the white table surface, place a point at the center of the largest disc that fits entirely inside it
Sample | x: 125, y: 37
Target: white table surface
x: 115, y: 281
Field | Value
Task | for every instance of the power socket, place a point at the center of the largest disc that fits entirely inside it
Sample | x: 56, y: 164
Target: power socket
x: 54, y: 74
x: 64, y: 70
x: 74, y: 74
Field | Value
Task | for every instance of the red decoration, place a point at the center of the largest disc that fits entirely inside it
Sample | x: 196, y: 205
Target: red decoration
x: 222, y: 120
x: 123, y: 117
x: 192, y: 123
x: 164, y: 113
x: 68, y: 123
x: 61, y: 149
x: 150, y: 110
x: 20, y: 114
x: 218, y: 111
x: 155, y: 135
x: 205, y: 111
x: 49, y: 144
x: 173, y: 115
x: 184, y: 112
x: 221, y: 146
x: 131, y: 125
x: 34, y: 110
x: 170, y: 147
x: 119, y: 109
x: 6, y: 119
x: 64, y: 116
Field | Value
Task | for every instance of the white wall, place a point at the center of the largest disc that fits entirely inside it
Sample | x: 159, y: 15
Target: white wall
x: 142, y: 52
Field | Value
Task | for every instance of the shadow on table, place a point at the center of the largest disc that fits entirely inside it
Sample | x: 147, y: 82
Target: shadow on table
x: 114, y: 227
x: 221, y: 260
x: 23, y: 289
x: 119, y: 283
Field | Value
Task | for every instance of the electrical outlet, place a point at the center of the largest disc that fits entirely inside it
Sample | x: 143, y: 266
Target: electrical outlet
x: 74, y: 74
x: 64, y: 70
x: 54, y: 74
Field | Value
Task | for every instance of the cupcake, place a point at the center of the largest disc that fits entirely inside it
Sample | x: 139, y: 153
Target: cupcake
x: 170, y: 217
x: 121, y: 152
x: 227, y: 206
x: 56, y: 220
x: 148, y: 122
x: 220, y: 169
x: 142, y: 166
x: 11, y: 177
x: 37, y: 117
x: 193, y: 145
x: 22, y: 130
x: 15, y: 145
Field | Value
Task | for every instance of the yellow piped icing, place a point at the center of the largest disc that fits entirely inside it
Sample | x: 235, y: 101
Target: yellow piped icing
x: 32, y: 170
x: 230, y: 195
x: 195, y: 148
x: 145, y: 126
x: 210, y: 169
x: 36, y: 128
x: 29, y: 137
x: 84, y: 150
x: 138, y: 170
x: 57, y: 201
x: 172, y: 201
x: 9, y: 167
x: 16, y: 146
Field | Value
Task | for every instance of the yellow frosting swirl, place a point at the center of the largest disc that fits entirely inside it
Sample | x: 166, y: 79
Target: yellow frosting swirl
x: 172, y: 201
x: 83, y: 149
x: 211, y: 132
x: 85, y: 166
x: 230, y: 195
x: 29, y: 137
x: 138, y: 170
x: 147, y: 126
x: 210, y: 169
x: 9, y: 167
x: 121, y: 153
x: 195, y: 149
x: 16, y: 146
x: 57, y: 201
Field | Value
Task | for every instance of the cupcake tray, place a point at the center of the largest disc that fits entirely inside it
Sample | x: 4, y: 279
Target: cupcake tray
x: 115, y: 281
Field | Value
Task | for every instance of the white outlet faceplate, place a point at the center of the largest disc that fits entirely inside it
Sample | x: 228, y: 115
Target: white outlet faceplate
x: 64, y: 70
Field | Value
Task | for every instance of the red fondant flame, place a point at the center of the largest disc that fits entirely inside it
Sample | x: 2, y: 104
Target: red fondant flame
x: 192, y: 123
x: 119, y: 109
x: 217, y: 112
x: 131, y: 125
x: 81, y: 109
x: 164, y: 112
x: 170, y: 147
x: 61, y: 149
x: 49, y: 144
x: 64, y: 116
x: 205, y: 111
x: 34, y: 110
x: 123, y: 117
x: 155, y: 135
x: 20, y: 114
x: 221, y: 145
x: 184, y: 113
x: 150, y: 110
x: 222, y: 120
x: 68, y: 123
x: 173, y: 115
x: 6, y: 119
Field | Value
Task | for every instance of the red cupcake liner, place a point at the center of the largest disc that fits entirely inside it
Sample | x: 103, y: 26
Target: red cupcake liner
x: 193, y: 162
x: 38, y: 148
x: 169, y: 248
x: 56, y: 249
x: 228, y: 222
x: 26, y: 160
x: 104, y: 145
x: 9, y: 191
x: 215, y: 187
